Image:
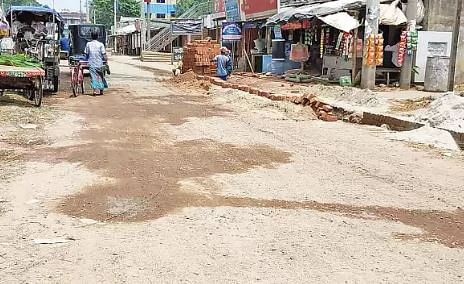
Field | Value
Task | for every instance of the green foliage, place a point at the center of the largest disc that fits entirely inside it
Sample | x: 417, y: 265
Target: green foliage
x: 8, y: 3
x: 184, y: 5
x: 104, y: 10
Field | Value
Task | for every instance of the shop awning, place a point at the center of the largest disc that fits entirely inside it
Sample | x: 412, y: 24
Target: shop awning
x: 126, y: 30
x: 342, y: 21
x: 321, y: 11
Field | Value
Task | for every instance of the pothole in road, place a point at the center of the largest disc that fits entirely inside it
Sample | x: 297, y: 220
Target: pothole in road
x: 148, y: 172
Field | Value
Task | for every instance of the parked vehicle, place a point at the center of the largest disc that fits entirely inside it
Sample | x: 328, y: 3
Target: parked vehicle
x: 36, y: 31
x: 80, y: 35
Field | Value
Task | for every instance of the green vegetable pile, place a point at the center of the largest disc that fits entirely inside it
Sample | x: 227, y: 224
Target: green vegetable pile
x: 19, y: 60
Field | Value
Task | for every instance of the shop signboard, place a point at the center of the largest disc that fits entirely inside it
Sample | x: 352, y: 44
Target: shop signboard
x: 232, y: 10
x: 218, y: 6
x: 305, y: 24
x: 231, y: 31
x: 178, y: 53
x: 277, y: 32
x: 259, y: 9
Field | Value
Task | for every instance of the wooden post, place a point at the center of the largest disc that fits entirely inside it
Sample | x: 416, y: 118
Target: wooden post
x: 454, y: 48
x: 371, y: 28
x: 406, y: 69
x: 355, y: 52
x: 269, y: 40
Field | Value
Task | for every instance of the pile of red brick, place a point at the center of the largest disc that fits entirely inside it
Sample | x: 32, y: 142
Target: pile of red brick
x: 199, y: 55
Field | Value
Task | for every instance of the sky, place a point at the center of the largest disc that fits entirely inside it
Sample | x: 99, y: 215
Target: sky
x: 72, y: 5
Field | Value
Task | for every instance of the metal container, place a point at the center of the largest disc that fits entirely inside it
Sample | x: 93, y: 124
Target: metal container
x: 437, y: 74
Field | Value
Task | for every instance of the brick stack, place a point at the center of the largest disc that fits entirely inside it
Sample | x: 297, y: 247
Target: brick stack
x: 199, y: 55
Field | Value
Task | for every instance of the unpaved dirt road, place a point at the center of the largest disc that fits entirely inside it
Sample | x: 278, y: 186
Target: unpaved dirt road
x: 158, y: 182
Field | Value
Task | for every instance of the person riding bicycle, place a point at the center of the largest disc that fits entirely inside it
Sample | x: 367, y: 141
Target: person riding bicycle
x: 96, y: 55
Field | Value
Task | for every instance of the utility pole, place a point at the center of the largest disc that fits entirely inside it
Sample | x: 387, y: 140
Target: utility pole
x: 454, y: 48
x: 115, y: 26
x: 148, y: 25
x: 406, y: 69
x: 371, y: 29
x: 54, y: 19
x: 87, y: 11
x: 142, y: 26
x: 80, y: 11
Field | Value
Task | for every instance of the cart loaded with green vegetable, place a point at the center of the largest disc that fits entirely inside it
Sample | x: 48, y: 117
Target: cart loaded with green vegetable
x: 22, y: 74
x: 29, y: 51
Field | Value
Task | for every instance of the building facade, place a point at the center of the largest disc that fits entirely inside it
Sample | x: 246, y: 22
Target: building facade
x: 163, y: 9
x: 72, y: 18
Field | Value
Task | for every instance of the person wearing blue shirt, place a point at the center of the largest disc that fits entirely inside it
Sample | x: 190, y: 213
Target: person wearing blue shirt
x: 222, y: 63
x: 64, y: 47
x: 64, y: 43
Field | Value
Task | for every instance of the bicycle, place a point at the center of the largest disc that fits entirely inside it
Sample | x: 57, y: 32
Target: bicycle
x: 77, y: 75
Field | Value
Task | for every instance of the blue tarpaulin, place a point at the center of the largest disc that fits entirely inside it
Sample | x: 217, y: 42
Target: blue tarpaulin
x: 41, y: 11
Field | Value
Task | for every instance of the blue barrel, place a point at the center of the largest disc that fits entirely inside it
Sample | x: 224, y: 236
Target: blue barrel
x: 278, y: 66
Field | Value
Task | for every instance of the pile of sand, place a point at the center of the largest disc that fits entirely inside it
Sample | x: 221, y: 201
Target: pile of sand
x: 184, y: 78
x: 410, y: 105
x: 429, y: 136
x: 446, y: 112
x: 189, y: 79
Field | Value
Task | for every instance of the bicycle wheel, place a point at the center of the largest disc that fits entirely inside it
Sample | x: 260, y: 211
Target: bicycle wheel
x: 82, y: 86
x: 74, y: 90
x: 80, y: 80
x: 74, y: 82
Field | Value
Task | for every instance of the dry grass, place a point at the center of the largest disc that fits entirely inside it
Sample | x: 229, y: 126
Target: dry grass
x: 9, y: 155
x: 10, y: 163
x: 15, y: 111
x: 26, y: 138
x: 411, y: 105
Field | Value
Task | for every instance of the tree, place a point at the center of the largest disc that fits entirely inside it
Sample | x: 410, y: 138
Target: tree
x: 104, y: 10
x: 8, y: 3
x: 184, y: 5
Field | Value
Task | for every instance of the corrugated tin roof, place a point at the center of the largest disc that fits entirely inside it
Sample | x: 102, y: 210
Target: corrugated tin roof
x: 316, y: 8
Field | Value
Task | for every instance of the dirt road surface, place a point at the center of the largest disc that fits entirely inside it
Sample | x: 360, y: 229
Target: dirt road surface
x: 163, y: 182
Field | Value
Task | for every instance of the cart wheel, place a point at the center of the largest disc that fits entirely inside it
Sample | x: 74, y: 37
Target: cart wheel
x: 56, y: 84
x: 38, y: 93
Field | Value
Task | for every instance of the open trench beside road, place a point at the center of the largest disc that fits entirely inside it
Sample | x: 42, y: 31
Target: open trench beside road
x: 162, y: 149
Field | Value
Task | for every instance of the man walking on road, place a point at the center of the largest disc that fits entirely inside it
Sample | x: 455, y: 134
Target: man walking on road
x: 222, y: 61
